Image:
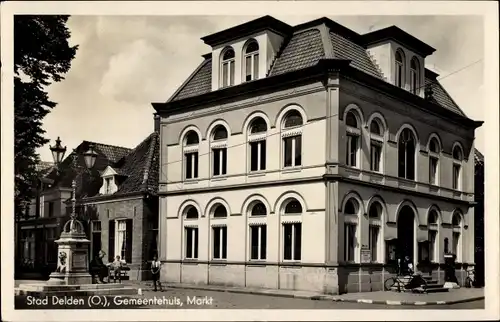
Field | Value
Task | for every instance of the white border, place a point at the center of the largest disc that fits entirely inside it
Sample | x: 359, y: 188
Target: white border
x: 489, y: 10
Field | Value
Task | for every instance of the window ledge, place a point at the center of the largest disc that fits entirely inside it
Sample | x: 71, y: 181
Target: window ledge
x: 257, y: 262
x: 253, y: 174
x: 291, y: 170
x: 218, y: 262
x: 190, y: 261
x: 191, y: 181
x: 218, y: 178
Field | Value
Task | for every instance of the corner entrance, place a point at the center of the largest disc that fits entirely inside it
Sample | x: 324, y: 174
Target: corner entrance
x: 406, y: 232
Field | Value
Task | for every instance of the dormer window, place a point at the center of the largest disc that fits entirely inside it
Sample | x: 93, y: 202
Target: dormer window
x: 400, y: 67
x: 252, y: 61
x: 414, y: 76
x: 108, y: 185
x: 227, y: 69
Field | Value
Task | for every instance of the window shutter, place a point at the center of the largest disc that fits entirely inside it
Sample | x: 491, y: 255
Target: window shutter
x: 128, y: 241
x: 111, y: 240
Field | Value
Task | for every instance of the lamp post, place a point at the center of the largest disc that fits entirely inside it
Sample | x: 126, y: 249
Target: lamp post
x: 72, y: 267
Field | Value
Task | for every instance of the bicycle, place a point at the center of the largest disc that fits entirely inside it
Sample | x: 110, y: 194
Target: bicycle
x: 470, y: 280
x: 417, y: 281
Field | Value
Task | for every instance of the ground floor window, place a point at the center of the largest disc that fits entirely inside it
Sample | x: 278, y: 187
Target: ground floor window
x: 96, y: 238
x: 120, y: 240
x: 374, y: 232
x: 220, y: 242
x: 456, y: 245
x: 258, y: 242
x: 292, y: 243
x: 350, y: 242
x: 191, y: 242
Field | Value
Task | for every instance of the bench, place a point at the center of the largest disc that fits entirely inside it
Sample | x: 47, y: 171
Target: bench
x: 123, y: 274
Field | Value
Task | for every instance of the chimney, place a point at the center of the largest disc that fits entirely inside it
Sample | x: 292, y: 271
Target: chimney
x: 157, y: 122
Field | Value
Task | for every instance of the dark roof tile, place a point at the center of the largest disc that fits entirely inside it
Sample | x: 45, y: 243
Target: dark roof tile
x: 357, y: 54
x: 200, y: 82
x: 441, y: 97
x: 303, y: 50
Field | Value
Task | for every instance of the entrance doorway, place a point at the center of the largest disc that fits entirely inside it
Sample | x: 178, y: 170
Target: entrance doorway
x: 406, y: 233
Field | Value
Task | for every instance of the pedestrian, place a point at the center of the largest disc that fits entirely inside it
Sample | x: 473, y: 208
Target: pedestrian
x: 155, y: 272
x: 98, y: 268
x: 117, y: 268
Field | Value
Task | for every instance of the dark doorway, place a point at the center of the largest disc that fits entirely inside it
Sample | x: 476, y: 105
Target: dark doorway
x: 406, y: 231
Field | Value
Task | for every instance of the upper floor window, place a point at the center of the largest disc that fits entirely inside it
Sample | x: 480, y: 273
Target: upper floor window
x: 406, y: 154
x: 434, y: 151
x: 376, y: 145
x: 252, y: 61
x: 292, y: 139
x: 457, y: 167
x: 400, y: 68
x: 190, y: 152
x: 352, y: 139
x: 293, y: 207
x: 227, y: 68
x: 191, y: 213
x: 414, y: 76
x: 259, y: 209
x: 257, y: 144
x: 219, y: 151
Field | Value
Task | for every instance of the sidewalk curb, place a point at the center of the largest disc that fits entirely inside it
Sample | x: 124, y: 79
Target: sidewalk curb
x: 325, y: 297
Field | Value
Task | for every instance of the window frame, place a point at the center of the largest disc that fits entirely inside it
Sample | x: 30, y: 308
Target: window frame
x: 254, y: 61
x: 400, y: 68
x: 230, y: 62
x: 258, y: 139
x: 377, y: 141
x: 433, y: 229
x: 219, y: 147
x: 457, y: 178
x: 376, y: 222
x: 292, y: 134
x: 352, y: 220
x: 415, y: 76
x: 191, y: 151
x: 406, y: 152
x: 434, y: 156
x: 353, y: 134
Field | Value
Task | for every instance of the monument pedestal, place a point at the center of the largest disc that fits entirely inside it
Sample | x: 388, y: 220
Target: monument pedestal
x: 71, y: 276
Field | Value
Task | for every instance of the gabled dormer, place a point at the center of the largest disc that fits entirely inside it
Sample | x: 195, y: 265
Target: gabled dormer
x: 245, y: 52
x: 109, y: 184
x: 400, y: 57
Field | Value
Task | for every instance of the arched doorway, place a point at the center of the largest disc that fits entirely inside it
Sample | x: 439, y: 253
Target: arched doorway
x: 406, y: 233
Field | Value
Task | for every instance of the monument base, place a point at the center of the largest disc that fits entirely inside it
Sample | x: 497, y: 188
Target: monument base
x: 451, y: 285
x: 69, y: 278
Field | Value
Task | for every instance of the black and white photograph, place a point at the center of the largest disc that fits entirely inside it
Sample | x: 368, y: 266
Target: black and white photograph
x: 249, y: 160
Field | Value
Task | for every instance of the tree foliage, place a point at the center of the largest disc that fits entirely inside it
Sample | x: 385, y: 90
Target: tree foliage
x: 42, y: 55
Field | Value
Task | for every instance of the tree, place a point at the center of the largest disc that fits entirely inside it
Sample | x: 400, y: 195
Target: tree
x: 42, y: 55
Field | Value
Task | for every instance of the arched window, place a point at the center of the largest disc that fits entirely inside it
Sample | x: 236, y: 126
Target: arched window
x: 218, y: 146
x: 351, y: 211
x: 257, y: 144
x: 220, y: 211
x: 457, y: 167
x: 219, y: 233
x: 414, y: 76
x: 252, y: 61
x: 190, y: 152
x: 292, y: 231
x: 433, y: 237
x: 456, y: 244
x: 406, y: 154
x: 227, y: 67
x: 259, y: 209
x: 191, y: 233
x: 434, y: 153
x: 374, y: 235
x: 292, y: 139
x: 399, y: 69
x: 376, y: 145
x: 353, y: 135
x: 191, y: 213
x: 258, y: 230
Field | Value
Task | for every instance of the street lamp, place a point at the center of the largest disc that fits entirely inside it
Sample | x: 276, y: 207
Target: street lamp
x: 73, y: 266
x: 90, y: 157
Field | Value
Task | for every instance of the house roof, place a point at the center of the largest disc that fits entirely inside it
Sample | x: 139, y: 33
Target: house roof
x: 44, y: 167
x: 306, y: 44
x: 478, y: 157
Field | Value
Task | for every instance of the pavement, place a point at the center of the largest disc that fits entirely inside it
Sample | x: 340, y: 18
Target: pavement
x: 454, y: 296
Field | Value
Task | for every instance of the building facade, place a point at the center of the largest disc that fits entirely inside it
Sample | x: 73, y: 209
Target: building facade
x: 122, y: 209
x: 311, y: 158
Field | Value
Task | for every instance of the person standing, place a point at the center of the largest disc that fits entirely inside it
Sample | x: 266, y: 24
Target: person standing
x: 155, y: 272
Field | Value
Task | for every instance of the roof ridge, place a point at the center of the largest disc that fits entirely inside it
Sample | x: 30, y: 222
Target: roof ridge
x: 105, y: 144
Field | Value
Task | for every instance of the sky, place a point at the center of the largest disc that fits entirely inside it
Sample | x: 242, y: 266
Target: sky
x: 126, y: 62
